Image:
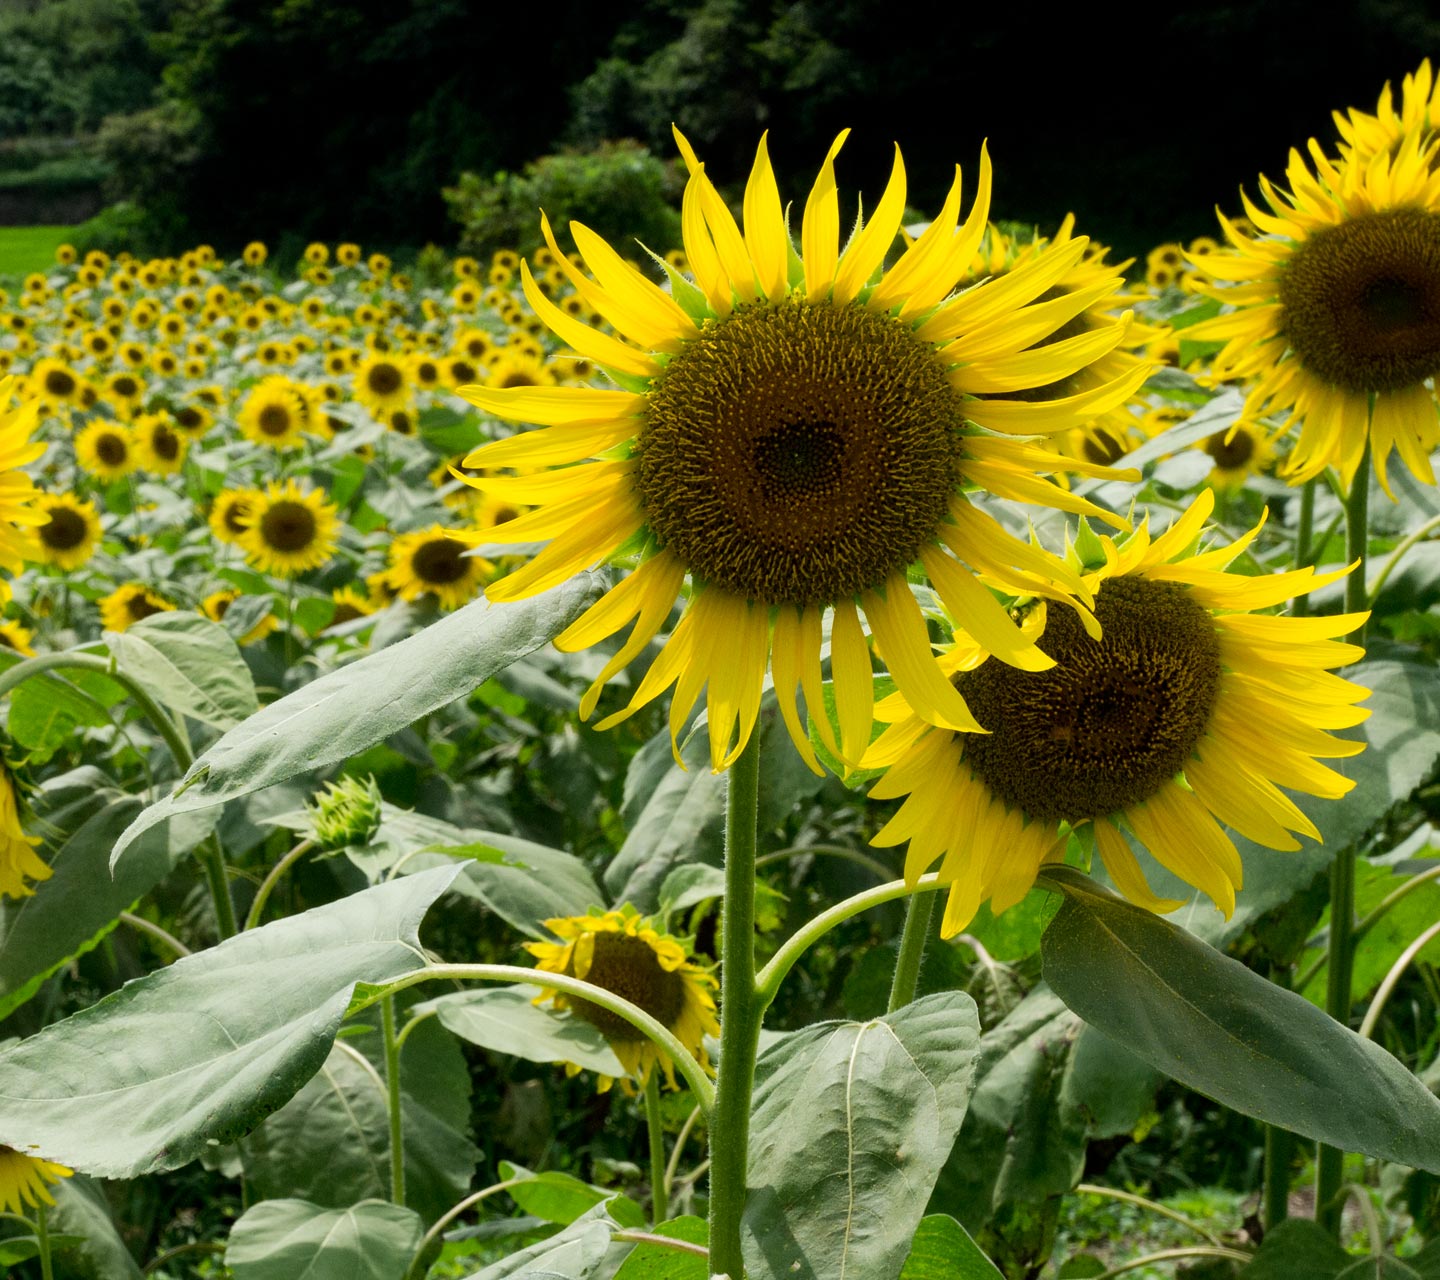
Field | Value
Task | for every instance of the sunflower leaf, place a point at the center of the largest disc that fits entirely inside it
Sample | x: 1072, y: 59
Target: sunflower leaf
x: 281, y: 1239
x: 346, y: 711
x: 189, y: 664
x: 1210, y: 1023
x: 852, y: 1124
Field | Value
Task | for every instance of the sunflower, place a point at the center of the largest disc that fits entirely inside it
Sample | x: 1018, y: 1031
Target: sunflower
x: 18, y: 512
x: 1243, y: 451
x: 55, y: 383
x: 290, y: 530
x: 70, y: 533
x: 193, y: 419
x: 158, y: 446
x: 350, y: 603
x: 254, y: 254
x: 128, y: 604
x: 518, y: 369
x: 1337, y: 310
x: 106, y: 450
x: 24, y: 1179
x: 793, y: 433
x: 218, y: 603
x: 434, y: 561
x: 381, y: 385
x: 1192, y: 711
x: 1366, y: 136
x: 624, y: 953
x: 18, y: 860
x: 17, y: 637
x: 273, y: 414
x: 231, y: 513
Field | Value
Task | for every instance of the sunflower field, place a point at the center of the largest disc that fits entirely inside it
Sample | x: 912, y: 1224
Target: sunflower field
x: 894, y: 747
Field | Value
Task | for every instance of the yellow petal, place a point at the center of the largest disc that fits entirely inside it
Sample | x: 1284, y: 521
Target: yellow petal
x: 820, y: 231
x: 765, y: 226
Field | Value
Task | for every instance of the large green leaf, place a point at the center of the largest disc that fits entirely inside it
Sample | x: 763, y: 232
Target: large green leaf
x: 348, y: 710
x: 296, y: 1240
x: 506, y: 1020
x: 330, y: 1144
x: 188, y: 663
x: 47, y: 710
x: 942, y: 1250
x: 145, y: 1079
x: 70, y: 912
x: 852, y: 1122
x: 1210, y: 1023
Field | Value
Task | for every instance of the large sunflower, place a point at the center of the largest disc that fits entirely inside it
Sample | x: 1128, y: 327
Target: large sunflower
x: 1191, y: 711
x: 290, y: 530
x: 18, y: 860
x: 434, y: 561
x: 1337, y: 309
x: 793, y: 432
x: 624, y: 953
x: 71, y: 531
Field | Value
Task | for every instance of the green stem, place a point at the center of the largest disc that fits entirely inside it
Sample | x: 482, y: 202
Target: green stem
x: 267, y: 886
x: 210, y: 853
x: 165, y: 938
x: 659, y: 1192
x: 1304, y: 538
x: 675, y: 1151
x: 1339, y: 973
x: 912, y: 949
x: 660, y: 1242
x: 684, y: 1060
x: 392, y: 1086
x: 1129, y: 1197
x: 448, y: 1217
x: 1387, y: 984
x: 1175, y: 1255
x: 1279, y: 1148
x: 42, y: 1242
x: 1392, y: 562
x: 773, y: 974
x: 741, y: 1011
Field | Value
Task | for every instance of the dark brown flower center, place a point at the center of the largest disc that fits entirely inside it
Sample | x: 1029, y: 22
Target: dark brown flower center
x: 274, y: 420
x: 288, y: 526
x: 800, y: 452
x: 65, y: 530
x: 1113, y: 720
x: 1361, y: 301
x: 165, y: 443
x: 111, y: 450
x: 1231, y: 453
x: 384, y: 379
x: 59, y: 383
x: 140, y: 606
x: 628, y: 967
x: 439, y: 562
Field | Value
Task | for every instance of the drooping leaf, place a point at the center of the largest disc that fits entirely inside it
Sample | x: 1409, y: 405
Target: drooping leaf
x: 1212, y: 1024
x: 942, y: 1250
x: 350, y: 709
x: 141, y: 1081
x: 852, y: 1122
x: 297, y: 1240
x: 78, y: 905
x: 506, y: 1020
x: 188, y: 663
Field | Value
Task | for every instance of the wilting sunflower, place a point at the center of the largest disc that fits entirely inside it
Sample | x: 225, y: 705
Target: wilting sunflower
x: 1337, y: 309
x: 1189, y: 712
x: 217, y: 604
x: 433, y: 561
x: 24, y: 1179
x: 71, y: 531
x: 230, y: 516
x: 290, y: 530
x: 273, y: 414
x: 624, y: 953
x: 794, y: 432
x: 381, y: 385
x: 18, y: 860
x: 128, y: 604
x: 159, y: 447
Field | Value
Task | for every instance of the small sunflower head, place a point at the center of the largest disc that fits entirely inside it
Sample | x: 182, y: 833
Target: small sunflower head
x: 345, y: 813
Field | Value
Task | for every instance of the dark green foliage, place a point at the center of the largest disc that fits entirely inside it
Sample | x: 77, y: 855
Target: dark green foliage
x: 618, y: 189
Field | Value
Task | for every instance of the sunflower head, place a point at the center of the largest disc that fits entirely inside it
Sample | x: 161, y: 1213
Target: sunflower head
x: 289, y: 530
x: 129, y: 604
x: 1187, y: 710
x: 434, y: 561
x: 71, y: 531
x: 625, y: 953
x: 798, y: 426
x: 25, y: 1181
x: 19, y: 863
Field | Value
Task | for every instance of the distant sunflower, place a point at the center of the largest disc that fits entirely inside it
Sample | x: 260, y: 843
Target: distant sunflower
x: 193, y: 419
x: 158, y: 446
x: 797, y: 430
x: 1337, y: 310
x: 19, y: 862
x: 128, y: 604
x: 230, y: 515
x: 17, y: 637
x: 290, y: 530
x: 1240, y: 453
x: 217, y: 604
x: 71, y: 531
x: 350, y: 603
x: 433, y: 561
x: 518, y: 369
x: 106, y: 450
x: 1189, y: 712
x: 55, y: 383
x: 624, y: 953
x: 273, y: 414
x: 382, y: 385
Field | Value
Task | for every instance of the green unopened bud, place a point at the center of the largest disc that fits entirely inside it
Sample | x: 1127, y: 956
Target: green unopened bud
x: 345, y: 813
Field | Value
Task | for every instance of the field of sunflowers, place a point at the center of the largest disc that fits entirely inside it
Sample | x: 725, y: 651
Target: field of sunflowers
x: 484, y: 743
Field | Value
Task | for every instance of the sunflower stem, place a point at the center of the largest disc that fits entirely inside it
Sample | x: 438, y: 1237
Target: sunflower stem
x: 42, y: 1243
x: 1304, y: 536
x: 659, y: 1191
x: 741, y: 1011
x: 392, y: 1089
x: 1329, y: 1174
x: 1279, y: 1147
x: 912, y: 949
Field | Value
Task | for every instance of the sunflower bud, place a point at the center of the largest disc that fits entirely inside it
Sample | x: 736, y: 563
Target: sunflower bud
x: 345, y: 813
